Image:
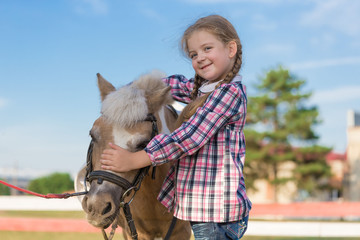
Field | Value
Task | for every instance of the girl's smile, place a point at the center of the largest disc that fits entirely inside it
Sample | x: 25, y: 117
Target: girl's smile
x: 205, y: 66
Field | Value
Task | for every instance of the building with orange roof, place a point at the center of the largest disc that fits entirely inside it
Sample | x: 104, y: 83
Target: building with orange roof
x: 352, y: 179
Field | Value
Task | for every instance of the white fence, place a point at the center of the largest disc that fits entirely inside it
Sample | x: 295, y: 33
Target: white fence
x: 304, y: 229
x: 39, y: 204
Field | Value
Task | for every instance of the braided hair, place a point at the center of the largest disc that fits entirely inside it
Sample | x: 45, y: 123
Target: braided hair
x: 225, y: 32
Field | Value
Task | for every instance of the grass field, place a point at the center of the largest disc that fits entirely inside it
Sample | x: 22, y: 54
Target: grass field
x: 6, y: 235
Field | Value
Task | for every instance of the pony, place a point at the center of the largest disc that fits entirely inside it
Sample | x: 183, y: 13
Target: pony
x: 125, y: 121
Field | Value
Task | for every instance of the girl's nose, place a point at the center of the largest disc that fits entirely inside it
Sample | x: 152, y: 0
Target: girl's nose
x: 201, y: 57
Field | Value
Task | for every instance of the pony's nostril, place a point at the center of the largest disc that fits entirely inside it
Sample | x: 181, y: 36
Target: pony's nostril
x: 107, y: 208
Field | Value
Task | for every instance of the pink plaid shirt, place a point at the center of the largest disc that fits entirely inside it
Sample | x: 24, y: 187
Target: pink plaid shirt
x: 206, y: 182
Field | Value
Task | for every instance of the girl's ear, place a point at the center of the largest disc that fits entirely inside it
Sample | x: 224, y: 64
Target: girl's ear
x: 232, y: 48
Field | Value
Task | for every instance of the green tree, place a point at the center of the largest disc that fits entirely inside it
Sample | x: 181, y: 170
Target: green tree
x: 53, y: 183
x: 312, y: 173
x: 4, y: 190
x: 277, y: 119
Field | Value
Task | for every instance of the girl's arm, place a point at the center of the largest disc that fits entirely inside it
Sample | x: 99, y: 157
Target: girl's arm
x: 181, y: 87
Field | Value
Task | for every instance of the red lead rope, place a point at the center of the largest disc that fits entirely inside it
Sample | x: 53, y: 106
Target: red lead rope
x: 49, y: 195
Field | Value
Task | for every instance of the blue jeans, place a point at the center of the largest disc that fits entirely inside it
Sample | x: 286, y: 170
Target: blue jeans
x: 219, y: 231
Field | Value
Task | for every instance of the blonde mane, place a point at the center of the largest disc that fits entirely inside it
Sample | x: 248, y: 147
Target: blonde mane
x: 129, y: 104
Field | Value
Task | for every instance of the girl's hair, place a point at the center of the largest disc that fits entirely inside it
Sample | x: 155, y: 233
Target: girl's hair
x: 225, y: 32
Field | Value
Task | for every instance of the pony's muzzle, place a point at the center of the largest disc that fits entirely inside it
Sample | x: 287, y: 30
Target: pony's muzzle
x: 101, y: 211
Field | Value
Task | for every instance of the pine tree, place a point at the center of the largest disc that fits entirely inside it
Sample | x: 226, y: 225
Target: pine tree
x: 280, y: 128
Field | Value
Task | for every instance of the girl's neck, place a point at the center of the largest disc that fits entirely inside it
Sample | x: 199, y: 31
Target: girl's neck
x: 210, y: 86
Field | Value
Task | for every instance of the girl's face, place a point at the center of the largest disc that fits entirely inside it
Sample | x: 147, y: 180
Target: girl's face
x: 210, y: 57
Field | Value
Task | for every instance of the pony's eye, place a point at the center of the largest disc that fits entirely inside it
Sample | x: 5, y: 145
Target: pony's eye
x: 92, y: 136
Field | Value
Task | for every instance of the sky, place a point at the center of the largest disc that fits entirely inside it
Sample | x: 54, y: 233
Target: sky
x: 50, y: 52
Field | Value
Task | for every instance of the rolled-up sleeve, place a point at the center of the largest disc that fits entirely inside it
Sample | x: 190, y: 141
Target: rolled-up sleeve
x: 181, y: 87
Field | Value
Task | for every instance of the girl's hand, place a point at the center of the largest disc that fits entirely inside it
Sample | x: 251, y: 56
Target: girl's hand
x: 118, y: 159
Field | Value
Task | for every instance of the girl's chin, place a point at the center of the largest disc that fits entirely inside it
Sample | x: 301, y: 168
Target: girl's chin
x: 208, y: 76
x: 211, y: 78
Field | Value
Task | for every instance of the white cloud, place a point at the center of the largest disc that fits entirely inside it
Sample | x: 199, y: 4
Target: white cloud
x: 260, y: 22
x: 151, y: 13
x: 323, y: 40
x: 342, y: 15
x: 347, y: 93
x: 325, y: 63
x: 278, y: 49
x: 3, y: 102
x: 98, y: 7
x: 233, y: 1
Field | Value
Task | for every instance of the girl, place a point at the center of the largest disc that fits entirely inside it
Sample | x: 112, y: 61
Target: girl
x: 206, y: 185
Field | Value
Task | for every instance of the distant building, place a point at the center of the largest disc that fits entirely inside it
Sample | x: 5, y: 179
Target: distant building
x: 19, y: 182
x: 352, y: 179
x: 288, y: 193
x: 353, y: 119
x: 339, y: 169
x: 265, y: 193
x: 19, y: 177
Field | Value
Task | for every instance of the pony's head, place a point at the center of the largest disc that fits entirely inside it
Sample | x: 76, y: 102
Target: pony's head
x: 123, y: 121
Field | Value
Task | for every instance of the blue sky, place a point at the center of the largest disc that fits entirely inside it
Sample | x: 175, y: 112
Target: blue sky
x: 50, y: 52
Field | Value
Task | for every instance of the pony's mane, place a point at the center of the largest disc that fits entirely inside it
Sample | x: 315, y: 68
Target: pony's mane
x: 128, y: 104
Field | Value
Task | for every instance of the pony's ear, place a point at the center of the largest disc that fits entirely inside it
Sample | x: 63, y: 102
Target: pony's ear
x: 162, y: 92
x: 158, y: 98
x: 104, y: 86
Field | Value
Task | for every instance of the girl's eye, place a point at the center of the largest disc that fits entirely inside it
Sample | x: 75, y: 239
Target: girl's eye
x: 192, y: 55
x: 208, y: 48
